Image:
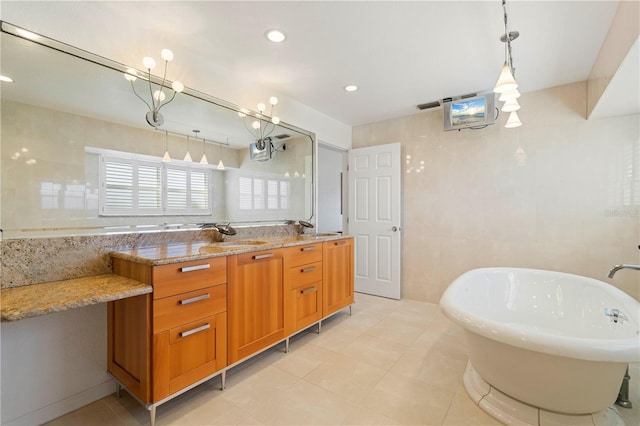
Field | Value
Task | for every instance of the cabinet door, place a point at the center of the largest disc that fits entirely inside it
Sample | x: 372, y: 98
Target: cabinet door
x: 337, y: 277
x: 256, y: 302
x: 187, y: 353
x: 306, y: 305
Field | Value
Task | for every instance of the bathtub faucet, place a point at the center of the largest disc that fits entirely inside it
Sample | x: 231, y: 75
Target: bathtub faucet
x: 616, y: 268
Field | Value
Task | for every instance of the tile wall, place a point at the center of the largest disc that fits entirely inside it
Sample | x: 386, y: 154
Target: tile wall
x: 559, y: 193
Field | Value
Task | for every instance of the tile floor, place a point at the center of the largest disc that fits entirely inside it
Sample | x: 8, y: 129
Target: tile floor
x: 390, y: 363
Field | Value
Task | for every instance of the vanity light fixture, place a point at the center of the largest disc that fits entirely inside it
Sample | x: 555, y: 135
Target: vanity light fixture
x: 506, y: 85
x: 158, y: 97
x: 6, y: 79
x: 263, y: 125
x: 275, y: 36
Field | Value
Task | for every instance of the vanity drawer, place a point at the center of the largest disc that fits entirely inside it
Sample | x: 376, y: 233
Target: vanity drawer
x: 303, y: 275
x: 178, y: 278
x: 303, y: 254
x: 176, y: 310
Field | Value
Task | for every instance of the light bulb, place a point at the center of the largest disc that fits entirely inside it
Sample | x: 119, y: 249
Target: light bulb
x: 159, y: 95
x: 148, y: 62
x: 275, y: 120
x: 255, y: 124
x: 261, y: 107
x: 131, y: 75
x: 510, y: 105
x: 275, y: 36
x: 204, y: 159
x: 187, y: 157
x: 167, y: 55
x: 220, y: 165
x: 510, y: 94
x: 166, y: 158
x: 273, y: 100
x: 177, y: 86
x: 513, y: 121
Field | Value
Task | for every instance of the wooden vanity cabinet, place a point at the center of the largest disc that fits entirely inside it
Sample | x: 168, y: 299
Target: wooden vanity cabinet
x: 303, y: 285
x: 166, y: 341
x: 337, y: 278
x: 256, y: 303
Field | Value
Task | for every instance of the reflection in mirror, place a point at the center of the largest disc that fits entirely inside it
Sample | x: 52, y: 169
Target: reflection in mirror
x: 78, y: 155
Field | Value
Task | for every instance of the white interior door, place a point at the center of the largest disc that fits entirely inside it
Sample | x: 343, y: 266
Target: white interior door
x: 374, y: 218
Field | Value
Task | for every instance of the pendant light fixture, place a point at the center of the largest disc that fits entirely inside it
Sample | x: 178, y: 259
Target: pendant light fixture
x: 507, y: 86
x: 187, y: 156
x: 220, y: 163
x: 166, y: 158
x: 203, y: 160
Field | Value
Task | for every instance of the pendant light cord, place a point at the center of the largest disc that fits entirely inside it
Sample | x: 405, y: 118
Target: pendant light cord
x: 507, y: 41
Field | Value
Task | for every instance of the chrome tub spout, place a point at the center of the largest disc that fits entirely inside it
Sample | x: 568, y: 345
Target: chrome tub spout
x: 616, y: 268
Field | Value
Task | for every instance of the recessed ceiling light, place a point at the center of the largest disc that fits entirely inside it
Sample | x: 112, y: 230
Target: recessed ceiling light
x: 6, y: 79
x: 275, y: 36
x: 351, y: 88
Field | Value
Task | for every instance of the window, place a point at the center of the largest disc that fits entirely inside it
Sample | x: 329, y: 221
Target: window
x: 135, y: 187
x: 260, y: 194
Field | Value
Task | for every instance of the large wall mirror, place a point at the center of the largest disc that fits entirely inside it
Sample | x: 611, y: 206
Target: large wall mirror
x: 71, y: 124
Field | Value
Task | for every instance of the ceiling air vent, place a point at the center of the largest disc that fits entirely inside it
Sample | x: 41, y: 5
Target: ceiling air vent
x: 428, y: 105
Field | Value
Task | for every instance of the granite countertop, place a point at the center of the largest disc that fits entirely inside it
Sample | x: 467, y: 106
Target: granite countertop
x: 180, y: 252
x: 40, y: 299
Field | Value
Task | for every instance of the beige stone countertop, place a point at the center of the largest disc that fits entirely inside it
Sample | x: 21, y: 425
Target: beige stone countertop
x: 172, y: 253
x: 28, y: 301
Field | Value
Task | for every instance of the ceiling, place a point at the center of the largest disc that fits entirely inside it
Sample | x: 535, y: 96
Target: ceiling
x: 400, y: 54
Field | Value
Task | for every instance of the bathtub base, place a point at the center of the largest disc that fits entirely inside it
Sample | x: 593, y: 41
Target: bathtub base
x: 513, y: 412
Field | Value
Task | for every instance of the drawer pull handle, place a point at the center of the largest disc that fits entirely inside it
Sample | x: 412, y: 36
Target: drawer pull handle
x: 195, y: 330
x: 308, y: 248
x: 309, y: 269
x: 262, y: 256
x: 341, y: 243
x: 195, y: 268
x: 308, y: 290
x: 194, y: 299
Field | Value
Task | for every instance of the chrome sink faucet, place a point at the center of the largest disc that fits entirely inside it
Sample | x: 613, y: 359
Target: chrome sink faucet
x: 616, y: 268
x: 301, y: 226
x: 219, y: 231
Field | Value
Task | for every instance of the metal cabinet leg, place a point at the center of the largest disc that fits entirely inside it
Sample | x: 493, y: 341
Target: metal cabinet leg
x: 286, y: 345
x: 152, y: 415
x: 118, y: 390
x: 350, y: 310
x: 223, y: 379
x: 319, y: 326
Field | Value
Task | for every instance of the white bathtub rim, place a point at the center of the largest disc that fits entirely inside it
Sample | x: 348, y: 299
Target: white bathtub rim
x: 590, y: 349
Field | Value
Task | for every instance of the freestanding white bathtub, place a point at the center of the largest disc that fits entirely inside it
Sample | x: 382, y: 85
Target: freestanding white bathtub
x: 543, y: 338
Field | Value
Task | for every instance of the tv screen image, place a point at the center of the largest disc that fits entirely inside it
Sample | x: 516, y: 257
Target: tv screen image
x: 468, y: 112
x: 474, y: 112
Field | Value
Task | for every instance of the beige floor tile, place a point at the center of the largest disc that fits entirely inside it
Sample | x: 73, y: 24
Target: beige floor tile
x: 97, y: 413
x: 262, y: 386
x: 464, y: 411
x: 408, y: 401
x: 374, y: 350
x: 303, y: 358
x: 347, y: 377
x: 435, y: 365
x: 301, y: 404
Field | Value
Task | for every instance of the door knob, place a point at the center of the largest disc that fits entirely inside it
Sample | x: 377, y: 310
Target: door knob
x: 395, y: 229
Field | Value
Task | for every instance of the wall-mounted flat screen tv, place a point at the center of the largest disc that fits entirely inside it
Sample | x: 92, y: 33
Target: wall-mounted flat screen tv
x: 473, y: 112
x: 257, y: 154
